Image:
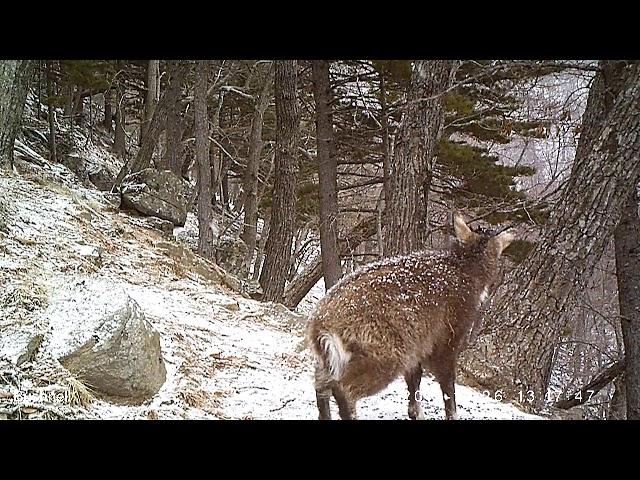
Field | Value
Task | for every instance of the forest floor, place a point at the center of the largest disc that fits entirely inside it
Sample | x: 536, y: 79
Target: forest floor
x: 67, y: 255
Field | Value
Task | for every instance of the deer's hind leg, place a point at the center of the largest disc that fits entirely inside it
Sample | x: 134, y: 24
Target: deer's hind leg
x: 323, y: 384
x: 346, y: 405
x: 413, y: 377
x: 363, y: 376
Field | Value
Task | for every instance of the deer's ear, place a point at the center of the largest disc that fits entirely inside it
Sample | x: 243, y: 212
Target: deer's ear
x: 463, y: 232
x: 503, y: 240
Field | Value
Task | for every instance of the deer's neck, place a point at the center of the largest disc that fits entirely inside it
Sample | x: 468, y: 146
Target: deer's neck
x: 481, y: 268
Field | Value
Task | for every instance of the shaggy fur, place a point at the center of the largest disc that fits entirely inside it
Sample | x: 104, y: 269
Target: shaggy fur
x: 398, y: 316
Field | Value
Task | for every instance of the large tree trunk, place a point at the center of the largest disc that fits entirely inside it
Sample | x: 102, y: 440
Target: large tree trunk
x: 14, y: 84
x: 257, y: 267
x: 627, y: 239
x: 153, y: 95
x: 514, y: 349
x: 205, y: 212
x: 51, y: 115
x: 108, y: 112
x: 386, y: 147
x: 305, y: 280
x: 142, y: 159
x: 119, y: 140
x: 617, y: 406
x: 250, y: 180
x: 216, y: 152
x: 173, y: 153
x: 119, y: 145
x: 283, y: 212
x: 327, y: 175
x: 410, y: 176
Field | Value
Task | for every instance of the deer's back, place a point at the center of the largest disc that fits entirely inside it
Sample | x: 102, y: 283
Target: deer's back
x: 402, y: 306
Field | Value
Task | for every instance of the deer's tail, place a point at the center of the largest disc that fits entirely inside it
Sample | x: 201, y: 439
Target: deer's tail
x: 331, y: 351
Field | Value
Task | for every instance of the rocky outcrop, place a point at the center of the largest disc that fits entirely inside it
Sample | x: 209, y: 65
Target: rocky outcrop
x: 77, y: 164
x: 230, y: 254
x: 102, y: 179
x: 122, y: 361
x: 158, y: 193
x: 165, y: 226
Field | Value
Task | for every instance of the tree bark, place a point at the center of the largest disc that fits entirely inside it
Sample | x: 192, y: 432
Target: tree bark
x: 205, y: 211
x: 410, y: 173
x: 283, y: 213
x: 327, y: 174
x: 119, y: 144
x: 250, y: 179
x: 51, y: 116
x: 14, y: 85
x: 153, y: 95
x: 108, y: 113
x: 173, y: 154
x: 142, y: 159
x: 618, y: 407
x: 257, y: 267
x: 305, y: 280
x: 119, y: 141
x: 627, y: 240
x: 386, y: 148
x: 514, y: 348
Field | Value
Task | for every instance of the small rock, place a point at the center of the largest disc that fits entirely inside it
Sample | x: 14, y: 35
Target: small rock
x: 31, y: 350
x: 156, y: 223
x: 89, y: 252
x: 5, y: 394
x: 232, y: 307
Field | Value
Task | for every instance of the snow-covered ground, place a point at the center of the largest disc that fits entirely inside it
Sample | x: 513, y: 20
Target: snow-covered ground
x: 67, y: 257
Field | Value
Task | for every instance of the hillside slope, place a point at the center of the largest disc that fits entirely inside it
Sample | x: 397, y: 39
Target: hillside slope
x: 67, y: 256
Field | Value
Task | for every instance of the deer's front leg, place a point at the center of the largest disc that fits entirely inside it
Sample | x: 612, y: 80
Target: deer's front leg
x: 413, y: 377
x: 444, y: 369
x: 449, y: 397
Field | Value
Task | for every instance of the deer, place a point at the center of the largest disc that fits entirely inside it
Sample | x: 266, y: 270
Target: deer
x: 401, y: 316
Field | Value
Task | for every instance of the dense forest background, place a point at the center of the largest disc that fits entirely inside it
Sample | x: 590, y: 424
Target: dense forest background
x: 300, y: 171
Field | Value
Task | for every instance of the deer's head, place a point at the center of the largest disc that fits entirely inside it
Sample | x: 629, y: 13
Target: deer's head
x: 482, y: 246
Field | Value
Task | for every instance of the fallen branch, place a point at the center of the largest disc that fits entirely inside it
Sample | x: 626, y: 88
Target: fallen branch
x: 287, y: 402
x: 594, y: 386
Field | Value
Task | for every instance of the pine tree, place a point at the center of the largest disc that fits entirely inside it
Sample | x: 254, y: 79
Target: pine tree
x: 327, y: 174
x: 205, y: 213
x: 412, y: 164
x: 14, y: 83
x: 514, y: 350
x: 283, y: 213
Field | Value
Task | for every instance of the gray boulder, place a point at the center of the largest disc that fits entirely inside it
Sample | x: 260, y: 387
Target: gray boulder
x: 230, y: 254
x: 158, y: 193
x: 165, y: 226
x: 102, y: 179
x: 122, y: 361
x: 76, y: 164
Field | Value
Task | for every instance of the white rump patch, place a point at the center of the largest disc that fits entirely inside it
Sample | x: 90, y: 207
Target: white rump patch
x: 483, y: 296
x: 336, y: 355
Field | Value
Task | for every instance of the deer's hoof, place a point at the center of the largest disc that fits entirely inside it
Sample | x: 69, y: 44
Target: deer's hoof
x: 415, y: 413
